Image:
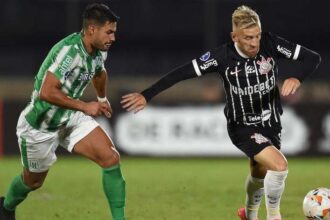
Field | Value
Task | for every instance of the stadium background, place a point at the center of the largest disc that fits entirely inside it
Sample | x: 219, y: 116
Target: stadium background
x: 154, y: 37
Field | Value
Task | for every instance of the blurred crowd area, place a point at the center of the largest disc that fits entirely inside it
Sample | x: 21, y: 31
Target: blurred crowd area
x: 154, y: 37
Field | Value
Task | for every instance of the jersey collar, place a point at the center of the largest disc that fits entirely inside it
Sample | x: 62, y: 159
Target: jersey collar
x: 81, y: 45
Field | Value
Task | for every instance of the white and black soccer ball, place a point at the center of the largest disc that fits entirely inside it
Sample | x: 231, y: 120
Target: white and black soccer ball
x: 316, y: 205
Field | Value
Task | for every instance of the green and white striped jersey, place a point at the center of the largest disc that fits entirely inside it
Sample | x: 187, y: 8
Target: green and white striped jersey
x: 74, y: 68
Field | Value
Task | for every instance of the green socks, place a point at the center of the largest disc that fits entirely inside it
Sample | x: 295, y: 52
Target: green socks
x: 17, y: 192
x: 114, y: 189
x: 113, y: 186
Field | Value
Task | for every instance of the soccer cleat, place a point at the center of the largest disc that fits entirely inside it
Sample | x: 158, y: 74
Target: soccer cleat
x: 5, y: 214
x: 241, y: 213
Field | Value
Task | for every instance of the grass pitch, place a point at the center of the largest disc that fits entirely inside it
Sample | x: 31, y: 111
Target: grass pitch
x: 160, y: 189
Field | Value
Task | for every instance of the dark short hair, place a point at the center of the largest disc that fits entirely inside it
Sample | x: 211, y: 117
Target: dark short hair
x: 98, y: 14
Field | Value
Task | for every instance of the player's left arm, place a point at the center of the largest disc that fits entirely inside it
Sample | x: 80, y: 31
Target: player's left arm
x: 310, y: 61
x: 100, y: 81
x: 288, y: 50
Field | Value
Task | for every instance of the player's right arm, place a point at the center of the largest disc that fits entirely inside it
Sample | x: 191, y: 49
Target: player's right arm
x: 51, y: 92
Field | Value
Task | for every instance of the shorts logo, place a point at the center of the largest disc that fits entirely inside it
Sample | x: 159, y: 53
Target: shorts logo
x: 34, y: 164
x: 259, y: 138
x: 264, y: 65
x: 205, y: 56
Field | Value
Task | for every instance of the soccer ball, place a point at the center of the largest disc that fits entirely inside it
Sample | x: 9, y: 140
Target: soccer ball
x: 316, y: 205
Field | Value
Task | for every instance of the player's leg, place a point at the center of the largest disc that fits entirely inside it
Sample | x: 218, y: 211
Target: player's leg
x: 37, y: 155
x: 274, y: 182
x: 272, y: 159
x: 98, y: 147
x: 255, y: 143
x: 21, y: 186
x: 254, y: 186
x: 16, y: 193
x: 84, y: 136
x: 243, y: 138
x: 34, y: 173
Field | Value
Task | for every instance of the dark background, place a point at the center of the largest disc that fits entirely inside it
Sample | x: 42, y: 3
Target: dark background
x: 154, y: 36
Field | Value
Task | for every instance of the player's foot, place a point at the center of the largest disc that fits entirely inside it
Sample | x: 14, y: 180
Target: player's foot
x: 241, y: 213
x: 4, y: 213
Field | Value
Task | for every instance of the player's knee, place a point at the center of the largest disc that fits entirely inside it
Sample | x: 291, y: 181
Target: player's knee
x: 281, y: 166
x: 34, y: 184
x: 110, y: 159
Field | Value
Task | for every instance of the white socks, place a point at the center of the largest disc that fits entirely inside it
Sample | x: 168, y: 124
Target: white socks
x: 274, y: 186
x: 254, y: 193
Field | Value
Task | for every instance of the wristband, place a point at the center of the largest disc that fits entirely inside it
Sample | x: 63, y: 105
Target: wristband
x: 104, y: 99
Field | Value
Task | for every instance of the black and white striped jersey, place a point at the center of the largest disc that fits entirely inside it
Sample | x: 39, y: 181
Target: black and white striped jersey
x: 252, y: 96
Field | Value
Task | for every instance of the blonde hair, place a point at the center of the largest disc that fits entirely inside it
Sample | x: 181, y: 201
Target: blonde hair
x: 245, y: 17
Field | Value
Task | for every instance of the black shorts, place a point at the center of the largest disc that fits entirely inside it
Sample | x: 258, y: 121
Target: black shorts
x: 252, y: 140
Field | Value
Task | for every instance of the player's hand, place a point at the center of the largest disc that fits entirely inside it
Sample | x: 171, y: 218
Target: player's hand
x: 96, y: 109
x: 290, y: 86
x: 133, y: 102
x: 108, y: 112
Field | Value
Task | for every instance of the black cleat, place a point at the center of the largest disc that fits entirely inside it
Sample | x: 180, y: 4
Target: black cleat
x: 4, y: 213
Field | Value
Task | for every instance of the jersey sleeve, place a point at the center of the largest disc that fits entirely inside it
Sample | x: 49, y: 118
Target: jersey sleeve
x: 63, y: 61
x: 208, y: 62
x: 288, y: 50
x: 284, y: 49
x: 176, y: 75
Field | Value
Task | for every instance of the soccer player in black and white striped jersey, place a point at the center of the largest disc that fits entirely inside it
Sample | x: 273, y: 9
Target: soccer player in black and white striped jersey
x: 249, y: 69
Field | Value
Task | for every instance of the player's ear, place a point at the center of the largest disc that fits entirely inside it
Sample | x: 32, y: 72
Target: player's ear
x: 91, y: 29
x: 233, y: 36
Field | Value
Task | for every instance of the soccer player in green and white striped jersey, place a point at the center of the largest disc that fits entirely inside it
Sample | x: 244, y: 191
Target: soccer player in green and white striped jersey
x: 55, y: 116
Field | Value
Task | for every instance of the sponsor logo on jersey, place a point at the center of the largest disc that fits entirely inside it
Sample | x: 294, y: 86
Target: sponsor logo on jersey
x: 252, y: 118
x: 208, y: 64
x: 263, y: 88
x: 85, y: 76
x: 264, y: 65
x: 205, y: 56
x: 259, y: 138
x: 66, y: 75
x: 65, y: 65
x: 284, y: 51
x: 265, y: 115
x: 250, y: 69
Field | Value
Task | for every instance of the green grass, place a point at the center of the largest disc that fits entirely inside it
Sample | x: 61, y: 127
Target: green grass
x: 160, y: 189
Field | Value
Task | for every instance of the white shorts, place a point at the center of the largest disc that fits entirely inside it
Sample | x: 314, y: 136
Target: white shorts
x: 38, y: 147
